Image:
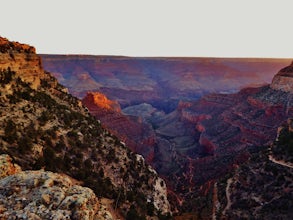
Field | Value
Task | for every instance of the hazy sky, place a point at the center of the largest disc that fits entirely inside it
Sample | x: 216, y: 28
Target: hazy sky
x: 221, y: 28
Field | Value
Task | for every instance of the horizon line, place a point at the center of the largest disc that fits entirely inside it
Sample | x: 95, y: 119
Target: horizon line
x: 164, y: 57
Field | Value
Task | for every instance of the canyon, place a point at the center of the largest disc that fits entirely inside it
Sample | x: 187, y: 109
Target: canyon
x: 161, y: 82
x: 200, y: 116
x: 146, y: 110
x: 197, y: 137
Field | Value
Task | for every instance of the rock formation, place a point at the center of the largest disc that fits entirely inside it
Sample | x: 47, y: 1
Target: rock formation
x: 97, y: 99
x: 284, y: 79
x: 45, y: 195
x: 21, y: 58
x: 137, y: 135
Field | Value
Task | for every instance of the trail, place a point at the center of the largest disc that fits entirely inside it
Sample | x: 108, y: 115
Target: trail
x: 228, y: 194
x: 280, y: 162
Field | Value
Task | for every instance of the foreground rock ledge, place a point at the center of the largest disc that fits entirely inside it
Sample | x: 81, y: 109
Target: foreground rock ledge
x: 46, y: 195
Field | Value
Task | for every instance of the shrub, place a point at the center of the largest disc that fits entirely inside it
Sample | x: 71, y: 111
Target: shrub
x: 133, y: 214
x: 49, y: 158
x: 25, y: 144
x: 10, y: 132
x: 6, y: 76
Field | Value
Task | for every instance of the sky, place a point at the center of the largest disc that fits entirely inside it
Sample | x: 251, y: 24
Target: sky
x: 180, y: 28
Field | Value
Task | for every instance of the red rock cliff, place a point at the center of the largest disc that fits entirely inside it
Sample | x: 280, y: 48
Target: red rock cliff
x: 132, y: 130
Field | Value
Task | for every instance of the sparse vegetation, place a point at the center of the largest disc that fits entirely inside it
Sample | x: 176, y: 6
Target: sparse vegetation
x: 283, y: 148
x: 6, y: 76
x: 47, y: 128
x: 260, y: 189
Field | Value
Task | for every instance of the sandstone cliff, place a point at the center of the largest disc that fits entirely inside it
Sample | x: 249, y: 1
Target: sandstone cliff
x: 21, y: 58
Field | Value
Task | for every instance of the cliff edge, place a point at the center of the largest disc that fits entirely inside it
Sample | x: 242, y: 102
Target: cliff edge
x: 284, y: 79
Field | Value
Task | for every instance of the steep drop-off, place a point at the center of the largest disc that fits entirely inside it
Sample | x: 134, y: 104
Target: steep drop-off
x: 42, y: 126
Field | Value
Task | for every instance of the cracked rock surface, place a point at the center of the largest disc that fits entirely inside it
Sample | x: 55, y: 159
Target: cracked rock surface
x: 45, y: 195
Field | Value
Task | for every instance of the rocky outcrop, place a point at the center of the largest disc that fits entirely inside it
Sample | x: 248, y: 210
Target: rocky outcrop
x: 97, y: 99
x: 21, y: 58
x: 284, y: 80
x: 46, y: 195
x: 8, y: 46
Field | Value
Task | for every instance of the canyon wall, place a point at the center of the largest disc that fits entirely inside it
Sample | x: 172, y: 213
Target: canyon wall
x: 162, y: 82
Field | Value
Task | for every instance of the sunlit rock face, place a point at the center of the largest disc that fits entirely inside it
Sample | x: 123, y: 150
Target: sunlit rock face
x: 284, y: 80
x: 132, y: 130
x: 100, y: 100
x: 22, y: 59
